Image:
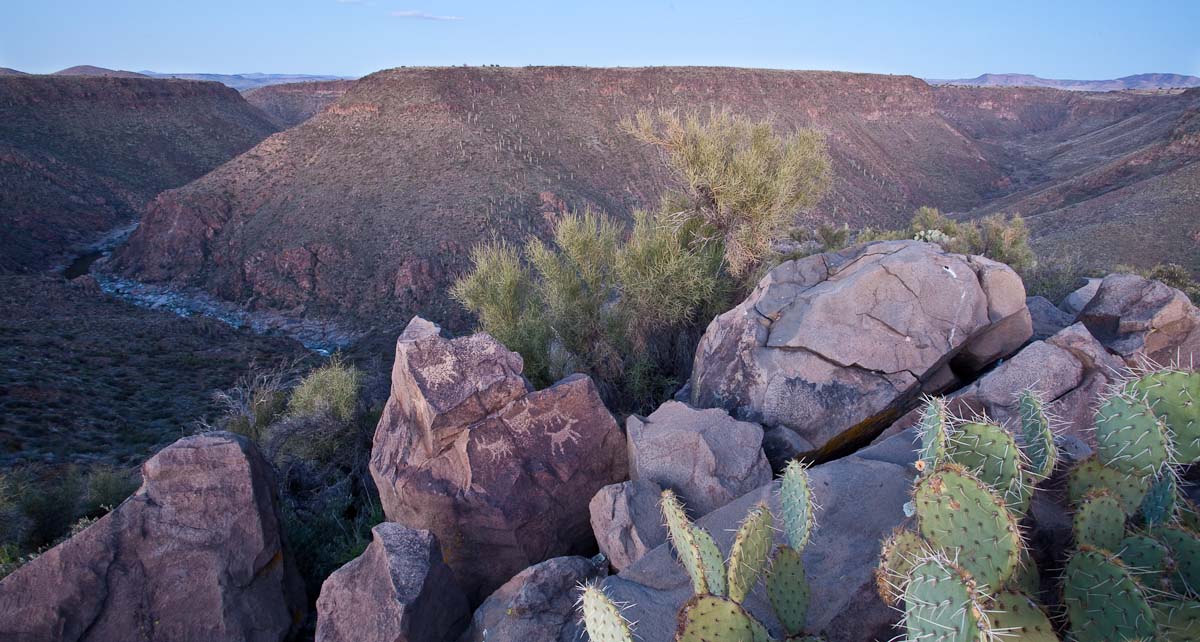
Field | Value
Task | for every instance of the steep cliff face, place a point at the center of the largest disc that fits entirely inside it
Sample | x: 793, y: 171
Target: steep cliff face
x: 290, y: 104
x: 367, y: 209
x: 79, y: 155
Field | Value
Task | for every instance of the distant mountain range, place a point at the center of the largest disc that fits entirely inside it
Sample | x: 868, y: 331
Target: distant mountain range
x: 240, y: 82
x: 1138, y: 81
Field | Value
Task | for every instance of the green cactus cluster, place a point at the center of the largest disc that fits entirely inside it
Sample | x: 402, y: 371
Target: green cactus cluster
x: 716, y: 611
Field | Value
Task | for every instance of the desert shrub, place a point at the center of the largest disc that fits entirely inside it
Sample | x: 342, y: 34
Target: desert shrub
x: 106, y: 487
x: 1000, y: 238
x: 1055, y: 279
x: 257, y: 399
x: 332, y: 388
x: 737, y: 179
x: 323, y: 539
x: 1176, y: 276
x: 50, y: 500
x: 13, y: 523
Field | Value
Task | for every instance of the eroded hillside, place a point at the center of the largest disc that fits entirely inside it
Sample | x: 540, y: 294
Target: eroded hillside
x: 80, y: 155
x: 290, y: 104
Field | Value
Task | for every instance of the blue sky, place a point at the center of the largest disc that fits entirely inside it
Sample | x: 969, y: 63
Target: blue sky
x: 1057, y: 39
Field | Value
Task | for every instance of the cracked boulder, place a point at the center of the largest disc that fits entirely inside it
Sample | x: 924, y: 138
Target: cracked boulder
x: 627, y: 521
x: 536, y: 604
x: 707, y: 457
x: 836, y: 346
x: 1139, y: 319
x: 398, y: 590
x: 502, y: 475
x: 194, y: 556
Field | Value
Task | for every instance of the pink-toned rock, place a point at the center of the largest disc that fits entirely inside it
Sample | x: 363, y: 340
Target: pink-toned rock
x: 398, y: 590
x: 501, y: 475
x: 835, y: 346
x: 536, y: 604
x: 707, y: 457
x: 194, y: 556
x: 627, y: 521
x: 1137, y: 319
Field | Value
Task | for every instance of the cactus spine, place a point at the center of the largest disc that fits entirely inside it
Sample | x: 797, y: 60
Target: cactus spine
x: 1104, y: 600
x: 1037, y: 435
x: 601, y: 617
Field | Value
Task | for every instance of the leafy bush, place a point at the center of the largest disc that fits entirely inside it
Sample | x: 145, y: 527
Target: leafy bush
x: 740, y: 182
x: 623, y: 309
x: 332, y: 388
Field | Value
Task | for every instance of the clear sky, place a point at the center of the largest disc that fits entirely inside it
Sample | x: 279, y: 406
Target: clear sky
x: 1049, y: 38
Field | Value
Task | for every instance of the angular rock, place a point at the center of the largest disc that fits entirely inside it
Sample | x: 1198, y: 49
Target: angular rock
x: 194, y: 556
x: 398, y: 590
x: 1047, y: 319
x: 627, y: 521
x: 501, y: 475
x: 1137, y: 319
x: 860, y: 500
x: 1076, y: 301
x: 836, y: 346
x: 707, y: 457
x: 781, y: 445
x: 536, y: 604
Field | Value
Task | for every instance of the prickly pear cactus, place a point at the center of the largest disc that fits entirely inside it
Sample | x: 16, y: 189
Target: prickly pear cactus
x: 1178, y: 620
x: 751, y: 548
x: 1158, y: 507
x: 1027, y: 579
x: 941, y: 602
x: 1090, y: 475
x: 1037, y: 435
x: 787, y: 587
x: 707, y: 618
x: 1184, y: 547
x: 962, y: 516
x: 1013, y: 615
x: 796, y: 506
x: 896, y: 558
x: 1149, y: 558
x: 992, y: 456
x: 933, y: 429
x: 1104, y: 600
x: 1099, y: 521
x: 1174, y: 396
x: 695, y: 548
x: 1130, y: 438
x: 602, y: 618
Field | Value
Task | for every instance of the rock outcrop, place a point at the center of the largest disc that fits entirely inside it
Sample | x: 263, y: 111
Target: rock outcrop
x: 398, y: 590
x: 194, y: 556
x: 1047, y: 318
x: 860, y: 501
x: 627, y: 521
x: 836, y: 346
x: 707, y: 457
x: 537, y: 604
x: 1137, y: 319
x: 501, y: 474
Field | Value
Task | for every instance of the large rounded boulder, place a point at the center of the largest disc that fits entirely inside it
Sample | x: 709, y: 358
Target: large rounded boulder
x: 836, y: 346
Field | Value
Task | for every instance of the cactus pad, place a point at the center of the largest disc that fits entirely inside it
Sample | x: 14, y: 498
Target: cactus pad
x: 962, y: 516
x: 1090, y: 475
x: 796, y: 505
x: 1027, y: 579
x: 1104, y: 601
x: 1184, y: 546
x: 711, y: 561
x: 1148, y: 557
x: 787, y: 586
x: 941, y: 603
x: 992, y: 456
x: 695, y: 548
x: 751, y: 548
x: 1129, y: 438
x: 1175, y: 398
x: 1037, y: 436
x: 896, y: 558
x: 1158, y: 507
x: 1014, y: 616
x: 934, y: 431
x: 602, y: 618
x: 1099, y: 521
x: 1178, y: 620
x: 707, y: 618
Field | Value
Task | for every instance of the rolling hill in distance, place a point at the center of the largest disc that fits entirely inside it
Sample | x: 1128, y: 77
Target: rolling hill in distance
x: 1126, y: 83
x: 367, y: 210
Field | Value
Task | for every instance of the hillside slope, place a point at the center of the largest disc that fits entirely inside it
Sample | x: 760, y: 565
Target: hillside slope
x: 1136, y: 82
x: 80, y: 155
x: 290, y: 104
x: 367, y: 210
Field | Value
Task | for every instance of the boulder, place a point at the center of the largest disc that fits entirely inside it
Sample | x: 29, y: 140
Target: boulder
x: 860, y: 500
x: 194, y: 556
x: 536, y: 604
x: 707, y: 457
x: 398, y: 590
x: 1076, y: 301
x: 627, y: 521
x: 781, y: 445
x: 1139, y: 319
x: 501, y: 475
x: 1047, y: 319
x: 837, y: 346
